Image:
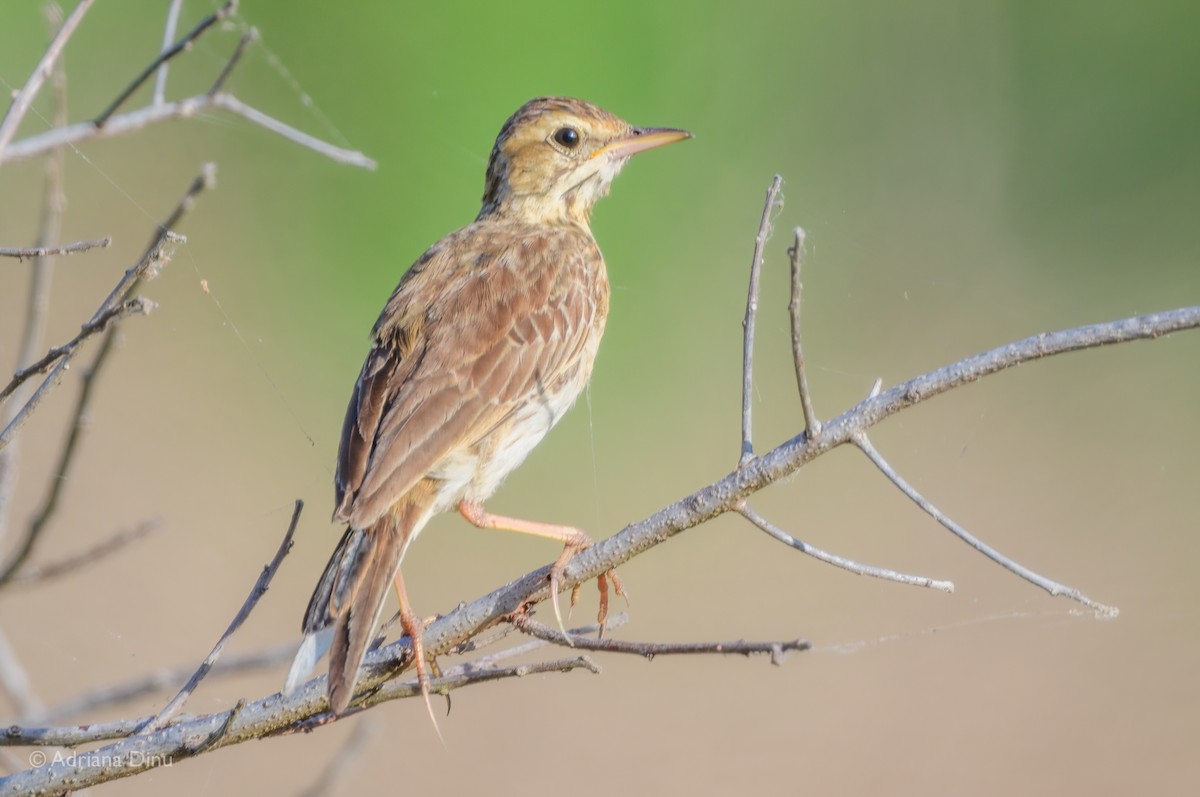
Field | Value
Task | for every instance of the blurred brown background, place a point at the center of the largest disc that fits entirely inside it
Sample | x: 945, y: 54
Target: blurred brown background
x: 968, y: 173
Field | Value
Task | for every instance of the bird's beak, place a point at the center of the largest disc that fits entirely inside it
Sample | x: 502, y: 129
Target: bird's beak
x: 641, y: 139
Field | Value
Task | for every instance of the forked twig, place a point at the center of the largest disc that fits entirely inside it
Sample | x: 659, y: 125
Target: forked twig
x: 1053, y: 587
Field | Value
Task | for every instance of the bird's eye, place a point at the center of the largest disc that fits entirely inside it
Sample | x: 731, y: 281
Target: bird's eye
x: 567, y: 137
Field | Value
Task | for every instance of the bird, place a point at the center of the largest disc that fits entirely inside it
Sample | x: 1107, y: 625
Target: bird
x: 487, y: 340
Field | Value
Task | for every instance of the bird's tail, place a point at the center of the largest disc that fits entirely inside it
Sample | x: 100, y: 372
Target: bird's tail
x: 347, y: 602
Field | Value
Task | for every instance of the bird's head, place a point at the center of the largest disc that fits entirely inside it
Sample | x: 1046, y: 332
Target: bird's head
x: 556, y: 156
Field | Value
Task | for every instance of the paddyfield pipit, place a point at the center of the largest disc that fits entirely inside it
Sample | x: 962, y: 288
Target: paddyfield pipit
x: 487, y: 340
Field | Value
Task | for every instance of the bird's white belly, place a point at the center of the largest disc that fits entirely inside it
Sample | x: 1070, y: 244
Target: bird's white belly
x: 475, y: 474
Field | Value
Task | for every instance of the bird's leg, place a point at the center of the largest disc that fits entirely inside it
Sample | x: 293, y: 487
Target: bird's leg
x: 574, y: 540
x: 415, y: 628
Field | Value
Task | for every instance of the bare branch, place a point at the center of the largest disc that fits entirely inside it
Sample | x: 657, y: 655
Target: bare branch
x: 760, y: 241
x: 812, y: 426
x: 651, y: 649
x: 160, y: 80
x: 166, y: 55
x: 1053, y: 587
x: 838, y: 561
x: 156, y: 254
x: 24, y: 97
x: 260, y: 589
x: 38, y: 574
x: 46, y: 251
x: 134, y: 121
x: 135, y: 306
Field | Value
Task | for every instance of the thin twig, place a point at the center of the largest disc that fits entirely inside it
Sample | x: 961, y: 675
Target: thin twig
x: 232, y: 104
x: 39, y: 574
x: 160, y: 80
x: 260, y: 589
x: 247, y: 37
x: 160, y: 681
x: 1053, y: 587
x: 46, y: 251
x: 812, y: 425
x: 24, y: 97
x: 760, y: 241
x: 135, y: 306
x: 839, y: 561
x: 652, y: 649
x: 151, y: 261
x: 166, y: 55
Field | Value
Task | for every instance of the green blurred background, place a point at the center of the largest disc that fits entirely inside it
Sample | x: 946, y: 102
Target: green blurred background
x: 968, y: 174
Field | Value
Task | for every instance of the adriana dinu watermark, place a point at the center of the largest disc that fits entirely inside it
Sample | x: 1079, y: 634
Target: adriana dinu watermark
x: 133, y: 758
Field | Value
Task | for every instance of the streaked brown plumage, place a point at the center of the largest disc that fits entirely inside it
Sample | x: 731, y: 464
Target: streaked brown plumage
x: 487, y: 340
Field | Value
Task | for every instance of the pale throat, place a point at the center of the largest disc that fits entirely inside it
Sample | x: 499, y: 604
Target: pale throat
x: 567, y: 201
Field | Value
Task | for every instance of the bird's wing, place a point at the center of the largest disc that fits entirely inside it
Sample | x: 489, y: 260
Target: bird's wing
x: 459, y: 346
